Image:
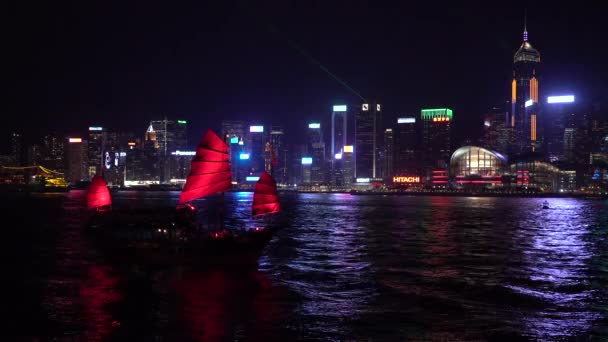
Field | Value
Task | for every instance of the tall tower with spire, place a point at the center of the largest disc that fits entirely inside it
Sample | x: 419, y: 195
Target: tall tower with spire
x: 524, y: 96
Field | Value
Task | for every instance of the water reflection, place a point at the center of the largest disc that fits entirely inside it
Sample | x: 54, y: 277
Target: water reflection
x: 323, y: 260
x: 343, y: 267
x: 555, y: 267
x: 223, y: 305
x: 98, y: 291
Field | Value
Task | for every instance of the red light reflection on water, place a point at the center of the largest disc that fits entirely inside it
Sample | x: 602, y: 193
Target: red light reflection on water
x: 216, y: 304
x: 97, y: 292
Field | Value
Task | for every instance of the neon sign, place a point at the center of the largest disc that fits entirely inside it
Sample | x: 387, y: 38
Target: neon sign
x: 406, y: 120
x: 406, y: 179
x: 560, y: 99
x: 256, y: 129
x: 314, y: 125
x: 441, y: 119
x: 183, y: 153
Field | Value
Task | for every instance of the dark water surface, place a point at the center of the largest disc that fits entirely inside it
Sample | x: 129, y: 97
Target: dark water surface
x: 345, y: 267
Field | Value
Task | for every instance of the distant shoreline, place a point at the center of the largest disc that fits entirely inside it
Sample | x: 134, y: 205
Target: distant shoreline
x: 6, y: 189
x: 472, y: 194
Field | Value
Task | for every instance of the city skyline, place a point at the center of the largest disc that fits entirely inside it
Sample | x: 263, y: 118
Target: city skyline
x: 104, y: 100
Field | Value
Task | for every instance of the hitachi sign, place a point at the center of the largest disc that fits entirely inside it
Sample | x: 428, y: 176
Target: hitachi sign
x: 406, y: 179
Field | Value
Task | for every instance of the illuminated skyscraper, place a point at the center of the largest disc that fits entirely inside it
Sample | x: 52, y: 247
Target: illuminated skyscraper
x: 339, y: 132
x: 150, y: 161
x: 233, y: 128
x: 171, y: 135
x: 76, y: 162
x: 255, y: 145
x: 557, y: 110
x: 524, y: 97
x: 496, y: 130
x: 316, y: 148
x: 339, y: 121
x: 16, y: 148
x: 389, y: 153
x: 96, y: 143
x: 234, y: 133
x: 52, y: 156
x: 406, y: 147
x: 368, y: 139
x: 436, y: 138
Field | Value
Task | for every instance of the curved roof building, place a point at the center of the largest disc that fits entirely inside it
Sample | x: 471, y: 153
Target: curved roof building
x: 476, y: 161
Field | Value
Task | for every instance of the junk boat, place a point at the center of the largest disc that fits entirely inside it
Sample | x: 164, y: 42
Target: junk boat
x: 173, y: 235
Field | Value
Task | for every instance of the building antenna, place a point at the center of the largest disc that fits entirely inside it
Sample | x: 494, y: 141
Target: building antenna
x: 311, y: 59
x: 525, y: 24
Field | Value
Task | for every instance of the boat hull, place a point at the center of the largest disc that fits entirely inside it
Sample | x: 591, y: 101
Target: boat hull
x: 170, y: 243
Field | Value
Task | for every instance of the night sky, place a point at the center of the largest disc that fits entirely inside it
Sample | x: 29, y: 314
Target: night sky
x: 71, y: 65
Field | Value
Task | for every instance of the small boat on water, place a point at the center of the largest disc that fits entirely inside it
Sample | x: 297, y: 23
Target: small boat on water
x: 173, y: 235
x: 545, y: 205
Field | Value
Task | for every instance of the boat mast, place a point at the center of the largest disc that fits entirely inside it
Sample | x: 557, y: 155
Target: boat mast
x: 222, y: 201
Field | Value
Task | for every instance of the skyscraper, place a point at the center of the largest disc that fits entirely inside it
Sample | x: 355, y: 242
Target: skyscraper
x: 524, y: 97
x: 277, y: 142
x: 234, y: 133
x: 76, y: 162
x: 255, y: 145
x: 150, y: 161
x: 316, y: 148
x: 53, y: 157
x: 171, y: 135
x: 368, y: 138
x: 389, y: 153
x: 557, y: 110
x: 16, y: 148
x: 339, y: 121
x: 233, y: 128
x: 406, y: 147
x: 96, y: 143
x: 496, y: 131
x: 436, y: 138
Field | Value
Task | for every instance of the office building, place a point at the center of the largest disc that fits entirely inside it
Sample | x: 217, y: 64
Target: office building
x: 76, y: 160
x: 406, y: 147
x: 339, y: 131
x: 436, y: 139
x: 557, y: 110
x: 368, y: 141
x: 53, y: 152
x: 496, y: 131
x: 279, y: 148
x: 255, y: 145
x: 96, y: 142
x: 171, y: 135
x: 316, y: 148
x: 524, y: 97
x: 16, y: 147
x: 389, y: 153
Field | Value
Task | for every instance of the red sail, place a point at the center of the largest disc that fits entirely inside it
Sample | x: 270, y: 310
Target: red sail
x: 265, y: 196
x: 210, y: 169
x: 98, y: 194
